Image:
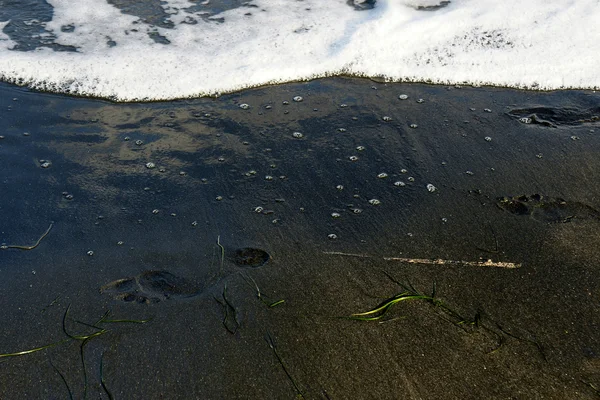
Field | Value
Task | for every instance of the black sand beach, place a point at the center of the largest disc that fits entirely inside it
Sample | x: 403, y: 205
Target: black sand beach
x: 181, y: 186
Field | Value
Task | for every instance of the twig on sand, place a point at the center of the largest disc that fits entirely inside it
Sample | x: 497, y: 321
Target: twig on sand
x: 339, y: 253
x: 439, y: 261
x: 434, y: 261
x: 13, y: 246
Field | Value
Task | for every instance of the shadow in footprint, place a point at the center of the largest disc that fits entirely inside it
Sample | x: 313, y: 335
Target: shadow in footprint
x: 547, y: 209
x: 250, y: 257
x: 150, y: 287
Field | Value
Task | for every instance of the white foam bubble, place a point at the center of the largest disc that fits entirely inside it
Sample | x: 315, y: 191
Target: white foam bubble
x: 534, y: 44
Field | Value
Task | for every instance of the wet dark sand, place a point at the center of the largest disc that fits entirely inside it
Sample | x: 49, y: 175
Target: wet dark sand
x: 536, y: 331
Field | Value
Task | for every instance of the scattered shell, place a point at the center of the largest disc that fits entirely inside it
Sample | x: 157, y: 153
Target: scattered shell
x: 195, y: 223
x: 374, y: 202
x: 342, y: 130
x: 120, y: 243
x: 539, y: 155
x: 139, y: 142
x: 45, y: 164
x: 469, y: 173
x: 356, y: 210
x: 403, y: 171
x: 403, y: 97
x: 525, y: 120
x: 488, y: 139
x: 353, y: 158
x: 487, y: 110
x: 335, y: 215
x: 431, y: 188
x: 258, y: 209
x: 155, y: 211
x: 386, y: 118
x: 126, y: 138
x: 150, y: 165
x: 414, y: 126
x: 90, y: 253
x: 444, y: 220
x: 399, y: 184
x: 297, y: 135
x: 360, y: 148
x: 382, y: 175
x: 26, y: 134
x: 574, y: 137
x: 340, y: 187
x: 244, y: 106
x: 219, y: 198
x: 410, y: 179
x: 420, y: 101
x: 298, y: 98
x: 343, y: 105
x: 221, y: 159
x: 268, y: 177
x: 285, y: 102
x: 332, y: 236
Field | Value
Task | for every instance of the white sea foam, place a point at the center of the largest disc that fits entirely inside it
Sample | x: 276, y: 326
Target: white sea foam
x: 527, y: 44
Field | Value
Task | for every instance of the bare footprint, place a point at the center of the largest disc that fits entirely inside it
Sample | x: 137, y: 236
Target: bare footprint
x: 150, y: 287
x: 547, y: 209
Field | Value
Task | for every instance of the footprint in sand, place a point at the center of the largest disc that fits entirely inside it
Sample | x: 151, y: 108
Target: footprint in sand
x: 150, y: 287
x: 250, y: 257
x: 547, y: 209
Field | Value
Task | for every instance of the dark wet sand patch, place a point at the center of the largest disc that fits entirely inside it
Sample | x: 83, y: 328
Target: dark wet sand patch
x: 356, y: 181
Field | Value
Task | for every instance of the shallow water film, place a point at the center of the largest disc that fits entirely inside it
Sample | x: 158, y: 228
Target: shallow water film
x: 333, y: 239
